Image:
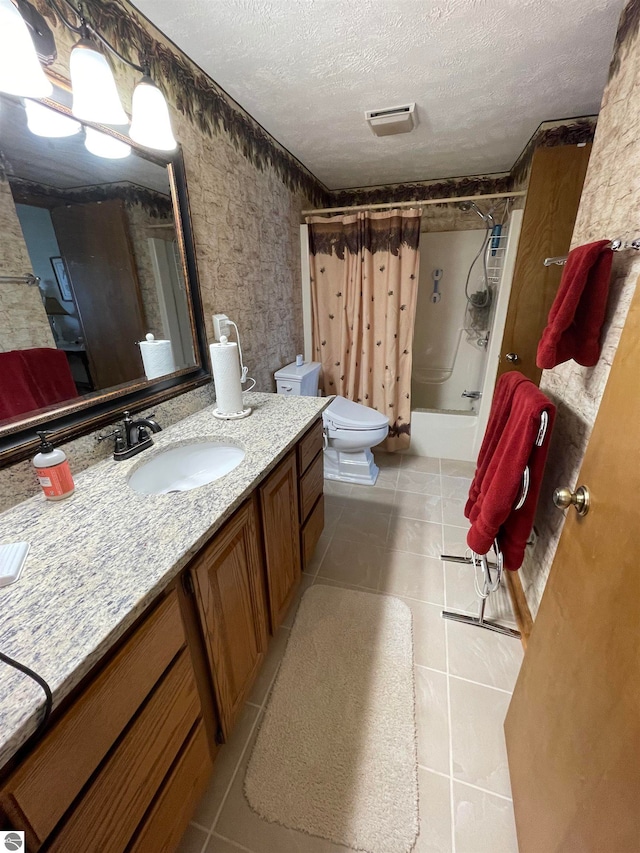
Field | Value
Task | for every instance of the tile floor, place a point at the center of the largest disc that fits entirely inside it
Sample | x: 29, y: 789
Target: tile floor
x: 387, y: 539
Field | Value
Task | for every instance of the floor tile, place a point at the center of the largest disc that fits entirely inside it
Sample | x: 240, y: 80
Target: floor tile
x: 386, y: 461
x: 239, y: 823
x: 478, y: 748
x: 332, y: 512
x: 460, y: 595
x: 415, y: 481
x: 320, y: 550
x: 432, y: 719
x: 356, y: 563
x: 428, y: 635
x: 224, y: 768
x: 363, y: 525
x: 367, y: 498
x: 424, y: 507
x: 425, y: 464
x: 217, y: 844
x: 412, y: 576
x: 457, y: 468
x: 192, y: 841
x: 417, y: 537
x: 456, y: 487
x: 453, y: 512
x: 435, y: 814
x: 277, y: 646
x: 305, y: 583
x: 387, y: 478
x: 484, y: 656
x: 337, y: 489
x: 483, y: 823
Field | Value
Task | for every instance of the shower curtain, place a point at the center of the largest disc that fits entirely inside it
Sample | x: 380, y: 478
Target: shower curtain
x: 364, y: 285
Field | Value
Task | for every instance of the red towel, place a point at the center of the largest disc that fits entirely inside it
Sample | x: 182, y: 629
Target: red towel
x: 509, y: 446
x: 577, y: 314
x: 32, y: 379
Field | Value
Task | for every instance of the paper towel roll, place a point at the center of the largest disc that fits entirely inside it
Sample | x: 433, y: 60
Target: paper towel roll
x: 226, y: 376
x: 157, y: 357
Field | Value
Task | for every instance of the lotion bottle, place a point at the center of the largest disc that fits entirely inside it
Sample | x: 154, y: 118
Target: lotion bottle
x: 52, y: 470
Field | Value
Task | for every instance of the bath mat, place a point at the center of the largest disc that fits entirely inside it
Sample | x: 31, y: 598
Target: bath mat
x: 336, y: 754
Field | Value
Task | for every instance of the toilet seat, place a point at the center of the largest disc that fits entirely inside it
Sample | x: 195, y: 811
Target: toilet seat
x: 343, y: 414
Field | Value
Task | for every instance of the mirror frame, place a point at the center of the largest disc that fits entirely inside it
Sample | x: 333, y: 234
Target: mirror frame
x: 68, y: 421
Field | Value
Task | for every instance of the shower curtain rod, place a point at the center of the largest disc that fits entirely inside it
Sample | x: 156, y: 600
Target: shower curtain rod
x: 450, y: 200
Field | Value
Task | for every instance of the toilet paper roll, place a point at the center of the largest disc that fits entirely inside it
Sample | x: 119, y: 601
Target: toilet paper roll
x: 226, y: 376
x: 157, y: 357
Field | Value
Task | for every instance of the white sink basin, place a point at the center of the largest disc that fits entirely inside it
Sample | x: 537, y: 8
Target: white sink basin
x: 182, y: 468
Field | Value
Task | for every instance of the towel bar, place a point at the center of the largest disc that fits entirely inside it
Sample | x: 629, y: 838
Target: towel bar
x: 29, y: 278
x: 616, y: 246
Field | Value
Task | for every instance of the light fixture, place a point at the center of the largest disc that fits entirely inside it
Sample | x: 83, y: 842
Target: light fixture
x: 20, y: 71
x: 25, y: 38
x: 43, y: 121
x: 392, y: 120
x: 95, y: 96
x: 150, y: 122
x: 103, y: 145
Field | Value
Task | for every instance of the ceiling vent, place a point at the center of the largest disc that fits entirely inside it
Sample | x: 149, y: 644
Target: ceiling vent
x: 392, y: 120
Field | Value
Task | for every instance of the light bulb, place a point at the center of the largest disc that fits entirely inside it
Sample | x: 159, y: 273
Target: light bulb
x: 102, y: 145
x: 20, y: 71
x: 150, y: 122
x: 43, y: 121
x: 95, y: 96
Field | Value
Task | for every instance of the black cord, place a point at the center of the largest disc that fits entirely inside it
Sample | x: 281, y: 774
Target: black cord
x: 37, y: 678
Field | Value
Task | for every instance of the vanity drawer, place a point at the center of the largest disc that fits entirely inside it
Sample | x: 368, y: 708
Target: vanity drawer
x: 312, y: 531
x: 309, y: 445
x: 108, y: 814
x: 172, y: 810
x: 46, y: 783
x: 311, y: 485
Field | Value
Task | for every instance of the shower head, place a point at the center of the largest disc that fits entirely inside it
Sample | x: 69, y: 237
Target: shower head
x: 471, y: 205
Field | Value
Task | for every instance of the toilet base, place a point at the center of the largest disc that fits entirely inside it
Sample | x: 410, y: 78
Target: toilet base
x: 350, y: 467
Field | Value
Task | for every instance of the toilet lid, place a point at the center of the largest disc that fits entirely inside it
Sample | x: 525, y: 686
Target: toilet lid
x: 349, y: 415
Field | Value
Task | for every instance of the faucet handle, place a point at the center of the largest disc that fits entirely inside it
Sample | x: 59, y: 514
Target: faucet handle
x: 119, y: 443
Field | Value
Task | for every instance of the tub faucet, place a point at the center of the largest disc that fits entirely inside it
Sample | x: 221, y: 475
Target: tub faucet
x: 472, y: 395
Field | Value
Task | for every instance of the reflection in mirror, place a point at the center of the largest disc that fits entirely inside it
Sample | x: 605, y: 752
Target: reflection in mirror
x: 99, y: 235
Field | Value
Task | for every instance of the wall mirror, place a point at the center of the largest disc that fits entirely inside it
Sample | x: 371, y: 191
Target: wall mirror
x: 96, y: 255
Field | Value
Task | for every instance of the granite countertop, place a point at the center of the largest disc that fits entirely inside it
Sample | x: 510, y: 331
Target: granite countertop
x: 100, y: 557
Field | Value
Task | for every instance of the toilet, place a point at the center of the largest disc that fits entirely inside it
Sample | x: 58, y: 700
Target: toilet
x: 350, y: 429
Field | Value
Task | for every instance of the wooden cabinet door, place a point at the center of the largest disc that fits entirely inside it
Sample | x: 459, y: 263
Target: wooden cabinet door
x: 229, y: 588
x: 553, y: 194
x: 281, y: 533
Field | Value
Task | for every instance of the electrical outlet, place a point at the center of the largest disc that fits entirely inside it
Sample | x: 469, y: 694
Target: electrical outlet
x: 220, y: 326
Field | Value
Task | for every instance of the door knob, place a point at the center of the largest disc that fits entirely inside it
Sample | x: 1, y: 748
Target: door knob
x: 563, y: 497
x: 512, y: 356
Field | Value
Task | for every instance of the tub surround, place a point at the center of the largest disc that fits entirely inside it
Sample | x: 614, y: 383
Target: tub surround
x: 98, y: 559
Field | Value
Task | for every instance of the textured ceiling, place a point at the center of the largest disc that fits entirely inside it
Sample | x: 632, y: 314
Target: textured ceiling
x: 483, y: 73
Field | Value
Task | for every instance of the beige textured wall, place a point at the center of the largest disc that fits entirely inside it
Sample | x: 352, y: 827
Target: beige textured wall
x: 609, y: 208
x: 23, y: 320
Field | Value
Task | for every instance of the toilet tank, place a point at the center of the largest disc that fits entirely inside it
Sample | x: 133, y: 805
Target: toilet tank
x: 302, y: 381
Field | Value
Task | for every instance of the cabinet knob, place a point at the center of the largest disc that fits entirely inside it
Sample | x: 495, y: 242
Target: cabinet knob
x: 513, y: 357
x: 563, y: 498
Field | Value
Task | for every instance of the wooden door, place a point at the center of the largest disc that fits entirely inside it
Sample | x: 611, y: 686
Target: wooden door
x: 573, y: 726
x: 281, y: 535
x: 94, y: 241
x: 553, y: 194
x: 230, y: 597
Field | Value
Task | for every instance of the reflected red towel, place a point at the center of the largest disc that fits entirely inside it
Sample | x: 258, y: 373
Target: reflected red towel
x: 508, y: 447
x: 33, y: 379
x: 577, y: 314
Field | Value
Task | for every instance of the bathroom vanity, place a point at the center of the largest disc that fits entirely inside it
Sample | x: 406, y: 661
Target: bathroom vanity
x: 149, y: 616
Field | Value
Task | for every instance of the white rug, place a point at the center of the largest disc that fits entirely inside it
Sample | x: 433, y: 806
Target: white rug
x: 336, y: 754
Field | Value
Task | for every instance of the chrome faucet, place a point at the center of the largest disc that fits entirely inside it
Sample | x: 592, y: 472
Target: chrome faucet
x: 132, y: 437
